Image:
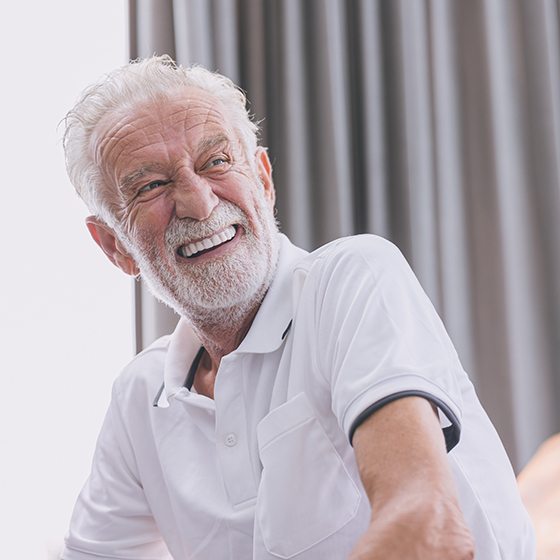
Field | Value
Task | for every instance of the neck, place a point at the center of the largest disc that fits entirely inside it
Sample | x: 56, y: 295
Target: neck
x: 221, y: 331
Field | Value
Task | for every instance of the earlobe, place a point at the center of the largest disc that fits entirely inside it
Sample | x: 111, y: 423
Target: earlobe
x: 265, y: 174
x: 110, y: 244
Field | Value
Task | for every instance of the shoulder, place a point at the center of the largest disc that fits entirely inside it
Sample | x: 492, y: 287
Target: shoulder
x: 350, y: 257
x: 373, y: 249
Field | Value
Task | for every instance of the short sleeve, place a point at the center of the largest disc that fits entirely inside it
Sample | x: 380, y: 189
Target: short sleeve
x: 111, y: 518
x: 379, y: 337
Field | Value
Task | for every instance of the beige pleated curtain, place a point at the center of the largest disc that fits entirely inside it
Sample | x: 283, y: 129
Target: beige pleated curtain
x: 434, y: 123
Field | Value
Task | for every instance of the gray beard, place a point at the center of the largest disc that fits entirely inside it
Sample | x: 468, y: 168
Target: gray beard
x: 222, y: 291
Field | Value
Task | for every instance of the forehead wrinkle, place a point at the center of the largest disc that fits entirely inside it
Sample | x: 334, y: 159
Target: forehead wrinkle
x: 113, y: 152
x: 180, y: 109
x: 115, y: 141
x: 204, y: 116
x: 142, y: 147
x: 198, y: 111
x: 104, y: 149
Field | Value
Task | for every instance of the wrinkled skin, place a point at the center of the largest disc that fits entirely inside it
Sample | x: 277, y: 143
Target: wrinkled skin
x: 177, y: 165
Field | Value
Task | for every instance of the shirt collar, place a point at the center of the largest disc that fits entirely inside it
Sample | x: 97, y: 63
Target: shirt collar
x: 182, y: 349
x: 275, y: 313
x: 267, y: 331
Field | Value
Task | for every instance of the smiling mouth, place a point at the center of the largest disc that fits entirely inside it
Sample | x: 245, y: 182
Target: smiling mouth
x: 202, y: 246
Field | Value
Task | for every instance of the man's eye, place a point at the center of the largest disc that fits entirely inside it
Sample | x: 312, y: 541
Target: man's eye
x: 215, y: 162
x: 151, y: 186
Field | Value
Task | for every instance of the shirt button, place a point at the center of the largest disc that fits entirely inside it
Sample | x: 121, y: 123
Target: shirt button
x: 231, y: 440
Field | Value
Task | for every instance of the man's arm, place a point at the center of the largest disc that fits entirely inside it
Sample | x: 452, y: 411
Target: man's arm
x: 400, y: 451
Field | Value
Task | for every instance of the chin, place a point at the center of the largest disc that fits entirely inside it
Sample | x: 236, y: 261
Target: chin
x: 227, y: 287
x: 230, y: 285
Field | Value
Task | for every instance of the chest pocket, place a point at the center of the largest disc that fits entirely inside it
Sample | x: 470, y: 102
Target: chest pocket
x: 305, y: 494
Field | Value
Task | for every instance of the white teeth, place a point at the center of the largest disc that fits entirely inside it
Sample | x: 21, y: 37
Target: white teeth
x: 207, y: 243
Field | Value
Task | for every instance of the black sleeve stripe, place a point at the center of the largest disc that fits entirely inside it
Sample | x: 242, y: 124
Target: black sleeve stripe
x: 451, y: 433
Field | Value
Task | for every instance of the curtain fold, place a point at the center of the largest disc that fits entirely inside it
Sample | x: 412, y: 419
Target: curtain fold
x: 368, y: 118
x: 435, y: 124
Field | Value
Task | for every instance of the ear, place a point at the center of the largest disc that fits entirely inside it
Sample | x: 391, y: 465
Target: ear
x: 106, y: 238
x: 264, y: 169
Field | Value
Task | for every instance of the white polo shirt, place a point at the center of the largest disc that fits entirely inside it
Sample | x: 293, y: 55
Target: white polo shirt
x: 266, y: 469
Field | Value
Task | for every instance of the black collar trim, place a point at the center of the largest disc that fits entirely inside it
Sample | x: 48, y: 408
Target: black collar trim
x: 287, y: 329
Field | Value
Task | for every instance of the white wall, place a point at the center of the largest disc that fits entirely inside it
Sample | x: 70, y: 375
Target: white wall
x: 65, y: 313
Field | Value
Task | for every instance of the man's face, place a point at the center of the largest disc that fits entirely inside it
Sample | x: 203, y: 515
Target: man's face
x: 194, y: 214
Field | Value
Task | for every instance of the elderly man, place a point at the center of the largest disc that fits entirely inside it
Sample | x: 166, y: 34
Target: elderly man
x: 307, y: 406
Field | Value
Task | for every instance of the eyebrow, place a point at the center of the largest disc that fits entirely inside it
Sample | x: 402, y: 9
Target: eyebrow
x: 211, y: 142
x: 128, y: 180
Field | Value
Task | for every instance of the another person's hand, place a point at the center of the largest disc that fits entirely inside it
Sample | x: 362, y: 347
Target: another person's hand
x: 539, y: 483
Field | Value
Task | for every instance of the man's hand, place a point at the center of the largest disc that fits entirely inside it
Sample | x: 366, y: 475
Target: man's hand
x: 415, y: 513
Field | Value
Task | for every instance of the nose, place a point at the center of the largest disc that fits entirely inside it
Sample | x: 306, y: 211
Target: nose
x: 195, y: 198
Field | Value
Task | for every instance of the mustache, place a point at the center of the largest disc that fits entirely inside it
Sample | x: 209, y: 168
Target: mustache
x: 185, y: 230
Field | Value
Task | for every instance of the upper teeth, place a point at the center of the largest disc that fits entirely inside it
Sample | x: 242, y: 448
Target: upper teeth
x: 191, y: 248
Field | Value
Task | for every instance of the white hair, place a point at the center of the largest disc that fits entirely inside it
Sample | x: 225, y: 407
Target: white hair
x: 139, y: 81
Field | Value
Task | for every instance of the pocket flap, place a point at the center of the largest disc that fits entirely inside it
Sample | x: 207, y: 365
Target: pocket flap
x: 287, y: 416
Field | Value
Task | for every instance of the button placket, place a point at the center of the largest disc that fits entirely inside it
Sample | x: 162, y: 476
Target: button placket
x: 231, y: 434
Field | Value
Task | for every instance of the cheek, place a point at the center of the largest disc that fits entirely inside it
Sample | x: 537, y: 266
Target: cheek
x: 150, y: 220
x: 246, y: 190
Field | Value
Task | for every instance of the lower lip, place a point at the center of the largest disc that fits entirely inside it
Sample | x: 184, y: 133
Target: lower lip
x: 217, y: 251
